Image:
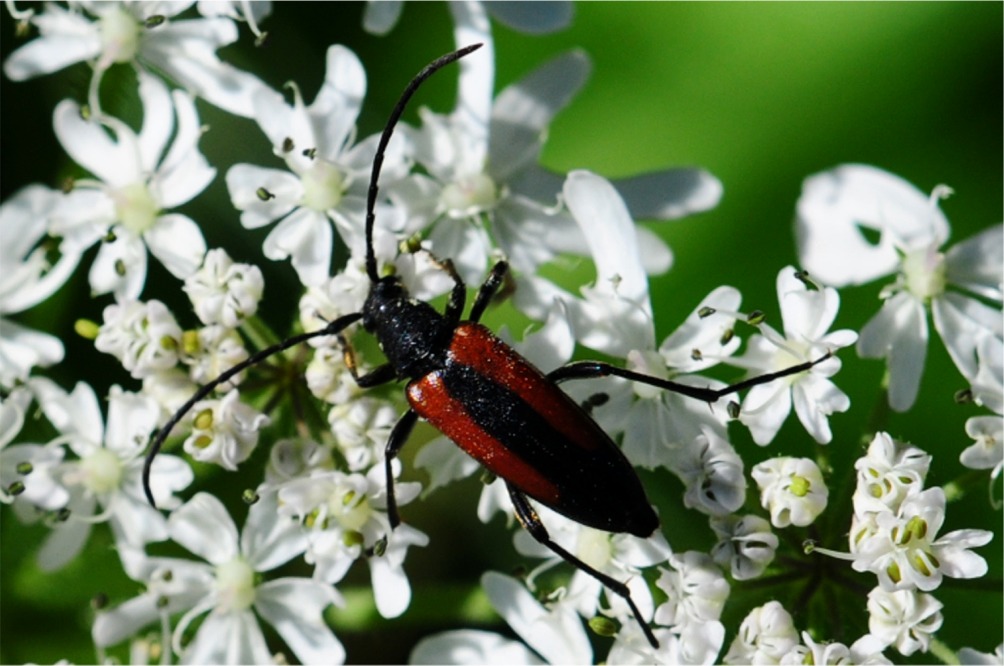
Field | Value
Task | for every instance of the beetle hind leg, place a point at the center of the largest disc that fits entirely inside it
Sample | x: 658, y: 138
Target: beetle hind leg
x: 529, y: 519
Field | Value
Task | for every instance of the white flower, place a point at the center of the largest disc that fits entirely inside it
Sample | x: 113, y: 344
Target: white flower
x: 837, y: 204
x: 107, y: 33
x: 555, y: 632
x: 227, y: 587
x: 144, y: 336
x: 105, y: 479
x: 27, y: 471
x: 745, y: 545
x: 987, y: 451
x: 139, y: 178
x: 807, y: 316
x: 695, y: 588
x: 330, y: 176
x: 765, y: 636
x: 864, y: 651
x: 713, y: 473
x: 906, y: 619
x: 904, y: 551
x: 362, y: 428
x: 346, y: 518
x: 889, y: 472
x: 211, y: 351
x: 28, y: 279
x: 223, y: 292
x: 696, y: 643
x: 224, y: 431
x: 619, y: 555
x: 792, y: 489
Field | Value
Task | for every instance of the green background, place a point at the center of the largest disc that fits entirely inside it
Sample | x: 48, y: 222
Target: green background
x: 761, y: 95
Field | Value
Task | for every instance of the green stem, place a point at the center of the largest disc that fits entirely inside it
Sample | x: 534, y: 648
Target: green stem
x: 259, y: 333
x: 943, y: 652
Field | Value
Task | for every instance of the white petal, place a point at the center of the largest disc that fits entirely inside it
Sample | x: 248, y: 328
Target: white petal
x: 560, y: 639
x: 836, y: 205
x: 75, y: 414
x: 67, y: 539
x: 178, y: 243
x: 470, y: 646
x: 184, y: 50
x: 306, y: 236
x: 120, y: 267
x: 603, y: 217
x: 228, y: 638
x: 962, y: 323
x: 67, y: 37
x: 898, y: 332
x: 244, y: 182
x: 117, y: 624
x: 22, y: 349
x: 477, y: 75
x: 269, y: 539
x: 977, y: 263
x: 669, y: 194
x: 158, y: 119
x: 764, y: 410
x: 444, y: 461
x: 380, y: 17
x: 203, y: 526
x: 295, y: 608
x: 533, y: 18
x: 116, y: 162
x: 523, y: 111
x: 336, y: 107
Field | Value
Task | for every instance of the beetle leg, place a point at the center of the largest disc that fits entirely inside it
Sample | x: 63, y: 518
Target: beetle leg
x: 398, y: 436
x: 488, y: 289
x: 379, y: 375
x: 594, y: 369
x: 458, y: 295
x: 530, y: 521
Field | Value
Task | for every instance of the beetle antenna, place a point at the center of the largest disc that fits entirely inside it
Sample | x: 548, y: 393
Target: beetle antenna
x: 332, y: 328
x: 388, y: 130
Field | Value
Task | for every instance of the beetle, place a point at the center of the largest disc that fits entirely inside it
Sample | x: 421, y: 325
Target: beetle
x: 494, y: 404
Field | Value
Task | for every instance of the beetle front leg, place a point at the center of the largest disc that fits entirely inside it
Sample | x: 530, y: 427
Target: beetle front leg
x: 398, y: 436
x: 489, y: 289
x: 530, y: 521
x: 382, y: 374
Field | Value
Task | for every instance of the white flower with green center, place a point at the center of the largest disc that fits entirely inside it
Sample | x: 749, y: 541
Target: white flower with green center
x: 142, y: 33
x: 889, y: 472
x: 104, y: 478
x: 327, y: 178
x: 27, y: 471
x: 224, y: 292
x: 906, y: 619
x: 138, y: 179
x: 224, y: 431
x: 746, y: 545
x: 962, y: 286
x: 144, y: 337
x: 807, y: 315
x: 903, y: 548
x: 792, y: 489
x: 229, y: 589
x: 765, y: 636
x: 346, y: 519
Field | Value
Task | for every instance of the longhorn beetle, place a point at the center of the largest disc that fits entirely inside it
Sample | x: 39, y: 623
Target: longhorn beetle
x: 489, y: 400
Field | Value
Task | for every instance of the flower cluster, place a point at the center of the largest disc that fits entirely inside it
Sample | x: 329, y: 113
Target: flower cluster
x: 458, y: 192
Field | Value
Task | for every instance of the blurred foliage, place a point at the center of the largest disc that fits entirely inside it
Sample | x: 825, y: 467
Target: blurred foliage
x: 761, y: 95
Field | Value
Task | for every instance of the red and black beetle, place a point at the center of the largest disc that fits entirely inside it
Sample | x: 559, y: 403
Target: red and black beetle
x: 492, y: 402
